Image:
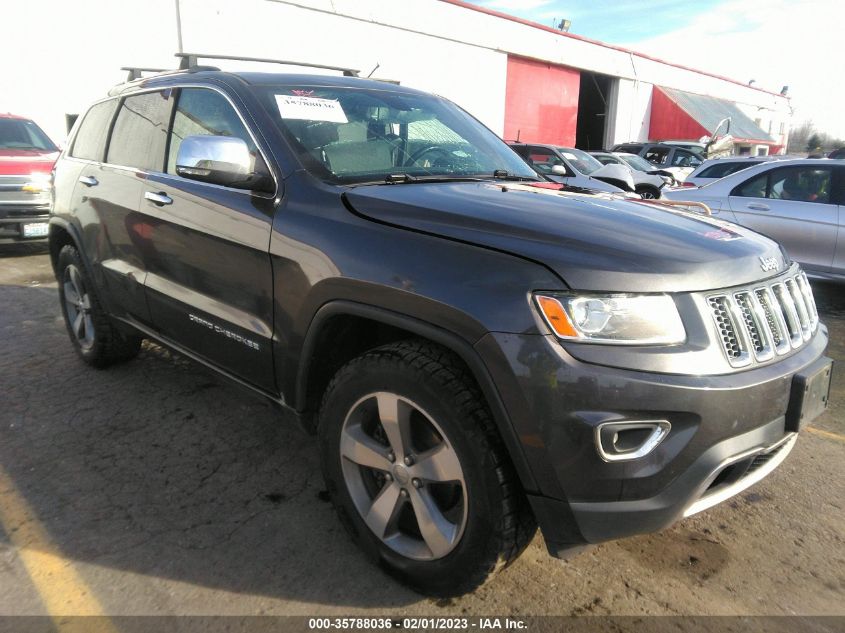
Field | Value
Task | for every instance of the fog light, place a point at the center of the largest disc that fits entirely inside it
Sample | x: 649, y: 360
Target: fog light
x: 631, y: 439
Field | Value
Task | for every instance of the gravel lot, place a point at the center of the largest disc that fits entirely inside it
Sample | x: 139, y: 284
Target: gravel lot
x: 167, y: 491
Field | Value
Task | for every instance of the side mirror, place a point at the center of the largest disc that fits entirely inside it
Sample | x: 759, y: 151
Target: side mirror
x: 560, y: 170
x: 221, y: 160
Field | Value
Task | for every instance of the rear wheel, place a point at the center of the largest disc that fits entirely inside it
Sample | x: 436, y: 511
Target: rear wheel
x: 417, y: 471
x: 93, y: 335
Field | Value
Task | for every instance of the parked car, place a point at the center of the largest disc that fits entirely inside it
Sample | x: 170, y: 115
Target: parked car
x: 697, y: 147
x: 476, y: 352
x: 26, y: 158
x: 796, y: 202
x: 715, y: 168
x: 837, y: 153
x: 648, y: 185
x: 638, y: 163
x: 573, y: 167
x: 675, y: 159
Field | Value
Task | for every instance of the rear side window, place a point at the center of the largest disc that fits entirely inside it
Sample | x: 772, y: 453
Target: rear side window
x: 683, y: 158
x: 657, y: 155
x: 140, y: 131
x: 630, y: 149
x: 91, y: 138
x: 204, y: 112
x: 720, y: 170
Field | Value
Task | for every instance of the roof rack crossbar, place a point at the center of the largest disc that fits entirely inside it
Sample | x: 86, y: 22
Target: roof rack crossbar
x: 189, y: 60
x: 136, y: 72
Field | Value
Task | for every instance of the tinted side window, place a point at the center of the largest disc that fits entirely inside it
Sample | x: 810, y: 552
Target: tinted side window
x: 204, y: 112
x: 657, y: 155
x: 140, y: 131
x: 90, y: 140
x: 802, y: 184
x: 753, y: 188
x: 543, y: 159
x: 683, y: 158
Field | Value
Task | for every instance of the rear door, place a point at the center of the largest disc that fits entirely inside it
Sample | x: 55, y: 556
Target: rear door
x: 108, y: 192
x: 795, y: 206
x: 209, y: 277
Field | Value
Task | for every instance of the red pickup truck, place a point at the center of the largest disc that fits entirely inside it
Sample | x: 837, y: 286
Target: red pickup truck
x: 26, y: 159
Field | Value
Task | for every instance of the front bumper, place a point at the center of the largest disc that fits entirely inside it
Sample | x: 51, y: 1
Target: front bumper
x: 720, y: 426
x: 13, y: 219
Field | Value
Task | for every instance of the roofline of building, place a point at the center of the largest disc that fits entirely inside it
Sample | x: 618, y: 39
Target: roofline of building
x: 627, y: 51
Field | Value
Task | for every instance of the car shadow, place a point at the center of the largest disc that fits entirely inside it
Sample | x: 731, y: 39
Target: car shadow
x: 158, y: 468
x: 23, y: 249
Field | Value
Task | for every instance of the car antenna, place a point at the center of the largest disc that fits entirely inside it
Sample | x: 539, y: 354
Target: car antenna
x: 373, y: 70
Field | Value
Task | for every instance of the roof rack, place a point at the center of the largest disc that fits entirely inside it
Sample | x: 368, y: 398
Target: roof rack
x: 189, y: 60
x: 136, y: 72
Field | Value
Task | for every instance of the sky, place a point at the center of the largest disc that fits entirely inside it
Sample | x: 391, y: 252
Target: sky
x: 795, y: 43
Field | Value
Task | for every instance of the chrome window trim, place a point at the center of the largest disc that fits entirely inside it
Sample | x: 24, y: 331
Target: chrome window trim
x: 270, y: 166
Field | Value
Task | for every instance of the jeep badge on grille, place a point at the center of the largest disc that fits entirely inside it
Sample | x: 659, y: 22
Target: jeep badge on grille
x: 768, y: 263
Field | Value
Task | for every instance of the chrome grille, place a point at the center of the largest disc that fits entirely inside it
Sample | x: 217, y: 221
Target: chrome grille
x: 756, y: 324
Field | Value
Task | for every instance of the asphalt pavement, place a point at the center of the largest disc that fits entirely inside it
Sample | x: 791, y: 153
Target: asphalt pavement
x: 156, y: 488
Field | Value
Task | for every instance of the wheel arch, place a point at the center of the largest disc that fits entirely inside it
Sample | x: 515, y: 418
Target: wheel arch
x: 372, y: 326
x: 63, y: 233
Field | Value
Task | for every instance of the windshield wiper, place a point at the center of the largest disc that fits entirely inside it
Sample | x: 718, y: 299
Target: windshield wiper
x: 398, y: 179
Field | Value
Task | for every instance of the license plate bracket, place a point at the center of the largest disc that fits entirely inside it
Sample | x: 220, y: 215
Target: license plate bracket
x: 35, y: 229
x: 810, y: 394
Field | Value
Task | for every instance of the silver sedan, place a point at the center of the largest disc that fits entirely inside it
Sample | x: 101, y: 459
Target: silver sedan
x: 799, y: 203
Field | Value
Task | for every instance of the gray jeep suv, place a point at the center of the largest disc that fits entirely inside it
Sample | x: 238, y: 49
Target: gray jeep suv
x: 478, y: 351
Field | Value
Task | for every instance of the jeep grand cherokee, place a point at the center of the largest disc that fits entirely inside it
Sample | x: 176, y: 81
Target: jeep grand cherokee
x: 478, y: 352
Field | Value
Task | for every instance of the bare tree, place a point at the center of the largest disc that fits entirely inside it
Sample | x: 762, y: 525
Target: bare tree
x: 799, y: 136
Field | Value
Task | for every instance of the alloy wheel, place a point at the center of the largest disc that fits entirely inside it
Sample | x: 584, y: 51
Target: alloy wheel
x: 403, y: 476
x: 78, y: 307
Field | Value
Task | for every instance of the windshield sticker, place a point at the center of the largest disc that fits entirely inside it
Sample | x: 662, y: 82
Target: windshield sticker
x: 310, y: 109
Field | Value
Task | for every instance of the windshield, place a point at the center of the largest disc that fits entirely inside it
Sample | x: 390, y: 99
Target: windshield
x: 23, y: 134
x: 637, y: 162
x: 353, y: 135
x: 581, y: 161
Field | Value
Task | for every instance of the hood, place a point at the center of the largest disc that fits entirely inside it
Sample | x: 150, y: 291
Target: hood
x: 616, y: 175
x: 17, y: 162
x: 593, y: 242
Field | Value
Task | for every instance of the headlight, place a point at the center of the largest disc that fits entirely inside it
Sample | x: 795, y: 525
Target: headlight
x: 38, y: 183
x: 617, y: 318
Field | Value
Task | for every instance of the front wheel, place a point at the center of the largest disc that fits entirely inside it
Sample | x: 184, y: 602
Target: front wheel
x: 648, y: 193
x: 417, y: 471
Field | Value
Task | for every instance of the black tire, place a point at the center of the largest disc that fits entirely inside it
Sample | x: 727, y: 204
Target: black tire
x: 498, y: 523
x: 648, y: 193
x: 97, y: 341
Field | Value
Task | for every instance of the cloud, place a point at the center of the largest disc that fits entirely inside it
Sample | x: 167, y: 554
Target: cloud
x: 775, y: 42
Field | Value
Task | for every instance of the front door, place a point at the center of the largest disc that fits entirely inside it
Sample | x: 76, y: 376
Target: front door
x: 793, y: 205
x: 209, y: 279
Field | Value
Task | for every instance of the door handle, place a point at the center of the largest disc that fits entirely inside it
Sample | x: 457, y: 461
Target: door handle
x: 159, y: 198
x: 758, y: 206
x: 89, y: 181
